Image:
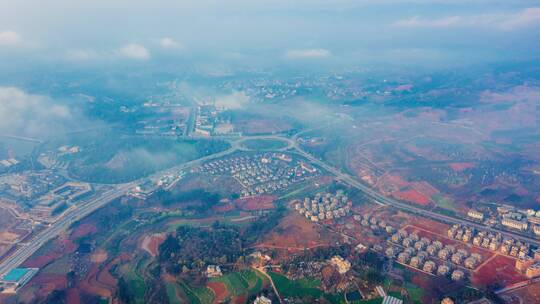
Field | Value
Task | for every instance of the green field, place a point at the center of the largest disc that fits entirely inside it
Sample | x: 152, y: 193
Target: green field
x: 199, y: 295
x: 415, y: 293
x: 296, y: 288
x: 243, y: 282
x: 444, y: 202
x: 235, y: 283
x: 172, y: 290
x: 264, y: 144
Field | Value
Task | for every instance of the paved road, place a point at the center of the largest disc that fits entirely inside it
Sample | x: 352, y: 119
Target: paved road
x: 75, y: 214
x: 383, y: 200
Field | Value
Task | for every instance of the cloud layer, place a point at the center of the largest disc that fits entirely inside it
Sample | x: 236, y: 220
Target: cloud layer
x: 25, y: 114
x: 308, y: 54
x: 10, y: 38
x: 134, y: 51
x: 509, y: 21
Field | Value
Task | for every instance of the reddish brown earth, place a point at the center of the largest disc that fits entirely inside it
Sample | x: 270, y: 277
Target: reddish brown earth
x: 73, y: 296
x: 295, y: 233
x: 83, y: 230
x: 261, y: 202
x: 500, y: 269
x: 430, y: 225
x: 150, y: 243
x: 458, y: 167
x: 413, y: 196
x: 220, y: 291
x: 223, y: 207
x: 47, y: 283
x: 62, y: 247
x: 240, y: 299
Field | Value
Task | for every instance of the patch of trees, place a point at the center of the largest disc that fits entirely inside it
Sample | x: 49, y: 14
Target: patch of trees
x: 195, y: 247
x: 205, y: 199
x: 263, y: 225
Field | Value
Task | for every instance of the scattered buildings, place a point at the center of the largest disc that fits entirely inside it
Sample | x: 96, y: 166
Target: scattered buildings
x: 213, y: 271
x: 533, y: 270
x: 475, y: 215
x: 262, y: 300
x: 391, y: 300
x: 341, y: 264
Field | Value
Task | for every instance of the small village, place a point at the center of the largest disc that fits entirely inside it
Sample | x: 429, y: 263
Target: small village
x: 262, y: 173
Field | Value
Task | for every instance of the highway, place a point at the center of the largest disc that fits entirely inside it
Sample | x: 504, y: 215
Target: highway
x: 381, y: 199
x: 23, y: 252
x: 73, y: 215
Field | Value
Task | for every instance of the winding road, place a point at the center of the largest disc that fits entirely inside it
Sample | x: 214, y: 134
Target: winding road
x: 24, y: 251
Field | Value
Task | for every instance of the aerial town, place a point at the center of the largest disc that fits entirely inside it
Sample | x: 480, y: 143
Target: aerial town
x: 270, y: 152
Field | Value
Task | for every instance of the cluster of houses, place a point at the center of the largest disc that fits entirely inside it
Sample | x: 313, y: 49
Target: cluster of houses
x: 374, y: 223
x: 530, y: 266
x: 261, y: 173
x: 324, y: 206
x: 421, y: 253
x: 511, y: 218
x: 489, y: 240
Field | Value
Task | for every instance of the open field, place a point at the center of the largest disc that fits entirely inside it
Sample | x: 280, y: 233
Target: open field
x: 295, y: 233
x: 500, y: 270
x: 238, y: 284
x: 264, y: 144
x: 295, y: 288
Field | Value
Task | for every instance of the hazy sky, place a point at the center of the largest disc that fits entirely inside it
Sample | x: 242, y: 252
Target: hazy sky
x: 281, y: 31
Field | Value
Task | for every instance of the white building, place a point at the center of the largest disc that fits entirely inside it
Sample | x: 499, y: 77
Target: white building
x: 514, y: 224
x: 262, y: 300
x: 475, y: 215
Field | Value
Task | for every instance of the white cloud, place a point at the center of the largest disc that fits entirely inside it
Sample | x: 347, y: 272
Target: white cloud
x: 170, y: 43
x: 308, y: 54
x: 134, y: 51
x: 509, y: 21
x: 31, y: 115
x: 10, y: 38
x: 417, y: 21
x: 82, y: 55
x: 525, y: 18
x: 236, y: 100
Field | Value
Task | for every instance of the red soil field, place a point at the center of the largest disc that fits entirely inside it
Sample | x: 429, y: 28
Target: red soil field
x: 150, y: 243
x: 430, y: 225
x: 73, y: 296
x: 83, y: 230
x: 47, y: 282
x: 424, y: 188
x: 262, y: 202
x: 397, y: 180
x: 62, y: 247
x: 412, y: 196
x: 500, y: 269
x: 99, y: 281
x: 223, y: 207
x: 296, y: 233
x: 220, y: 291
x: 240, y: 299
x: 458, y: 167
x: 91, y: 286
